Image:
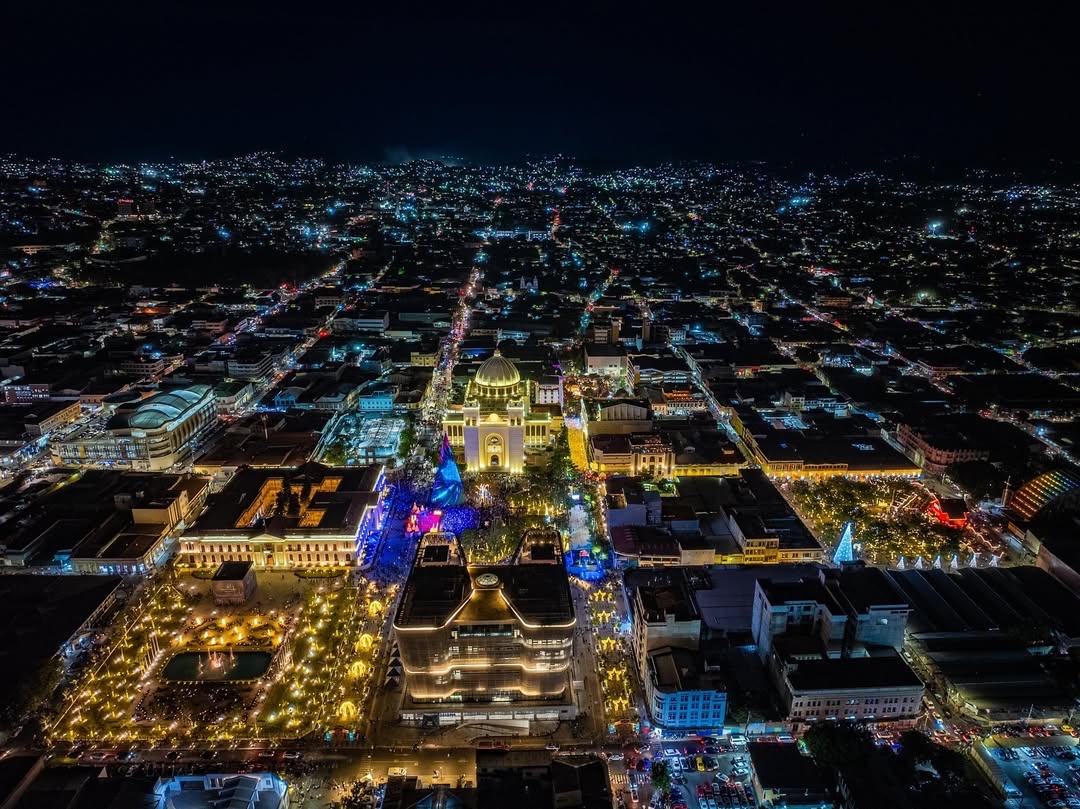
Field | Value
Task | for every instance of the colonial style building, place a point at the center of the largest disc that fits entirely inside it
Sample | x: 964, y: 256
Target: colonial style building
x: 311, y: 516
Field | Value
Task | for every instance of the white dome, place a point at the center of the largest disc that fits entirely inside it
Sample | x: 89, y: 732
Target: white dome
x: 497, y: 372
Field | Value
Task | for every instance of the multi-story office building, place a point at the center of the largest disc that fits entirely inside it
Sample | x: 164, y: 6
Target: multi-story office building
x: 935, y: 450
x: 487, y: 639
x: 25, y: 392
x: 608, y: 359
x: 150, y: 435
x: 105, y: 522
x: 800, y: 608
x: 867, y: 689
x: 632, y: 454
x: 843, y: 610
x: 663, y: 615
x: 681, y: 693
x: 311, y: 516
x: 44, y: 417
x: 253, y: 365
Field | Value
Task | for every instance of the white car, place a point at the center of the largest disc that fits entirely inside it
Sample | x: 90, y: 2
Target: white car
x: 670, y: 752
x: 676, y: 765
x: 615, y: 756
x: 399, y: 772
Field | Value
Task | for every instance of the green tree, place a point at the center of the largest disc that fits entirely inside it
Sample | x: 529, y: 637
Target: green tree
x: 981, y: 478
x: 916, y: 747
x: 335, y: 454
x: 835, y: 743
x: 281, y: 504
x: 661, y: 777
x: 31, y: 692
x: 407, y: 441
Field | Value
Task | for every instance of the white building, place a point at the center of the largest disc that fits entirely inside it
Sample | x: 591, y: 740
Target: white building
x: 493, y: 425
x: 311, y: 516
x: 150, y: 435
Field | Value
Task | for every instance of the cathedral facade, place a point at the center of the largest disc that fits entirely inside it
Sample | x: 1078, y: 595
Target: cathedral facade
x: 495, y: 425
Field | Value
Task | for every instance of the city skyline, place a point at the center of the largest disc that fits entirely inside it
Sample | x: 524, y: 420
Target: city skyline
x: 595, y: 407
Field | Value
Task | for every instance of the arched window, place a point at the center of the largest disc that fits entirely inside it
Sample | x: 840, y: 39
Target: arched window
x: 494, y: 447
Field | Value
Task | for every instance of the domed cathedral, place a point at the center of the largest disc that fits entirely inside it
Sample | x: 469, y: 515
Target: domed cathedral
x: 496, y: 424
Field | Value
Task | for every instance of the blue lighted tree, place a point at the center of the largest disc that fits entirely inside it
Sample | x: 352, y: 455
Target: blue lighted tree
x: 447, y: 490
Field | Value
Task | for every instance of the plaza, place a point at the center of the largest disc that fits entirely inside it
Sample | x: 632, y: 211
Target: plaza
x: 176, y: 666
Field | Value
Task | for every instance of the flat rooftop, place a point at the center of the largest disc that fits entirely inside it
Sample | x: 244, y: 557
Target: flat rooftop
x: 828, y: 674
x: 40, y: 614
x: 231, y: 571
x: 538, y: 594
x: 330, y: 500
x: 783, y: 767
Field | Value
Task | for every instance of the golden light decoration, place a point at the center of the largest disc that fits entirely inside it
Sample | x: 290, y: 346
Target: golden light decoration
x: 347, y: 711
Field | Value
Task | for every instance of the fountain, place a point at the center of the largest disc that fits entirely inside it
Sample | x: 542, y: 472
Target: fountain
x: 211, y: 666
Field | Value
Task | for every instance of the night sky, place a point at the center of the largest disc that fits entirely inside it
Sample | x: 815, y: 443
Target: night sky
x: 619, y: 81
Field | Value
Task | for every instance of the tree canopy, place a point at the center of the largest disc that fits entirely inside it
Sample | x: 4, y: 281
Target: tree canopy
x: 834, y: 744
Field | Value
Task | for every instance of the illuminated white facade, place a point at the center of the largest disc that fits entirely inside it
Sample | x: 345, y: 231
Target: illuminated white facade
x: 493, y: 426
x: 151, y: 435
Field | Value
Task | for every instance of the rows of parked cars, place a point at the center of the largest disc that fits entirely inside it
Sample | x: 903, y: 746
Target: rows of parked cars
x: 1055, y: 791
x: 727, y: 794
x: 725, y: 791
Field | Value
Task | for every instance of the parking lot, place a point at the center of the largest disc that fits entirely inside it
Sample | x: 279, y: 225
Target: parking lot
x: 710, y: 779
x: 1046, y: 775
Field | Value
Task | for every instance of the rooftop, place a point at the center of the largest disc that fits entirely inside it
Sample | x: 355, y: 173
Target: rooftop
x: 534, y: 591
x: 323, y: 499
x: 782, y: 767
x: 232, y: 571
x: 840, y: 674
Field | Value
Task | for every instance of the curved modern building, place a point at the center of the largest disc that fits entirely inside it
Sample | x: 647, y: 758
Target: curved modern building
x: 483, y: 635
x: 149, y: 435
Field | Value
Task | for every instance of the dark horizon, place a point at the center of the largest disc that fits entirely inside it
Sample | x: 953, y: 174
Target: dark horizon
x: 618, y: 83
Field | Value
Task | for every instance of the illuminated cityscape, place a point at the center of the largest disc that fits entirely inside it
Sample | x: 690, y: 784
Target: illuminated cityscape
x: 555, y: 408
